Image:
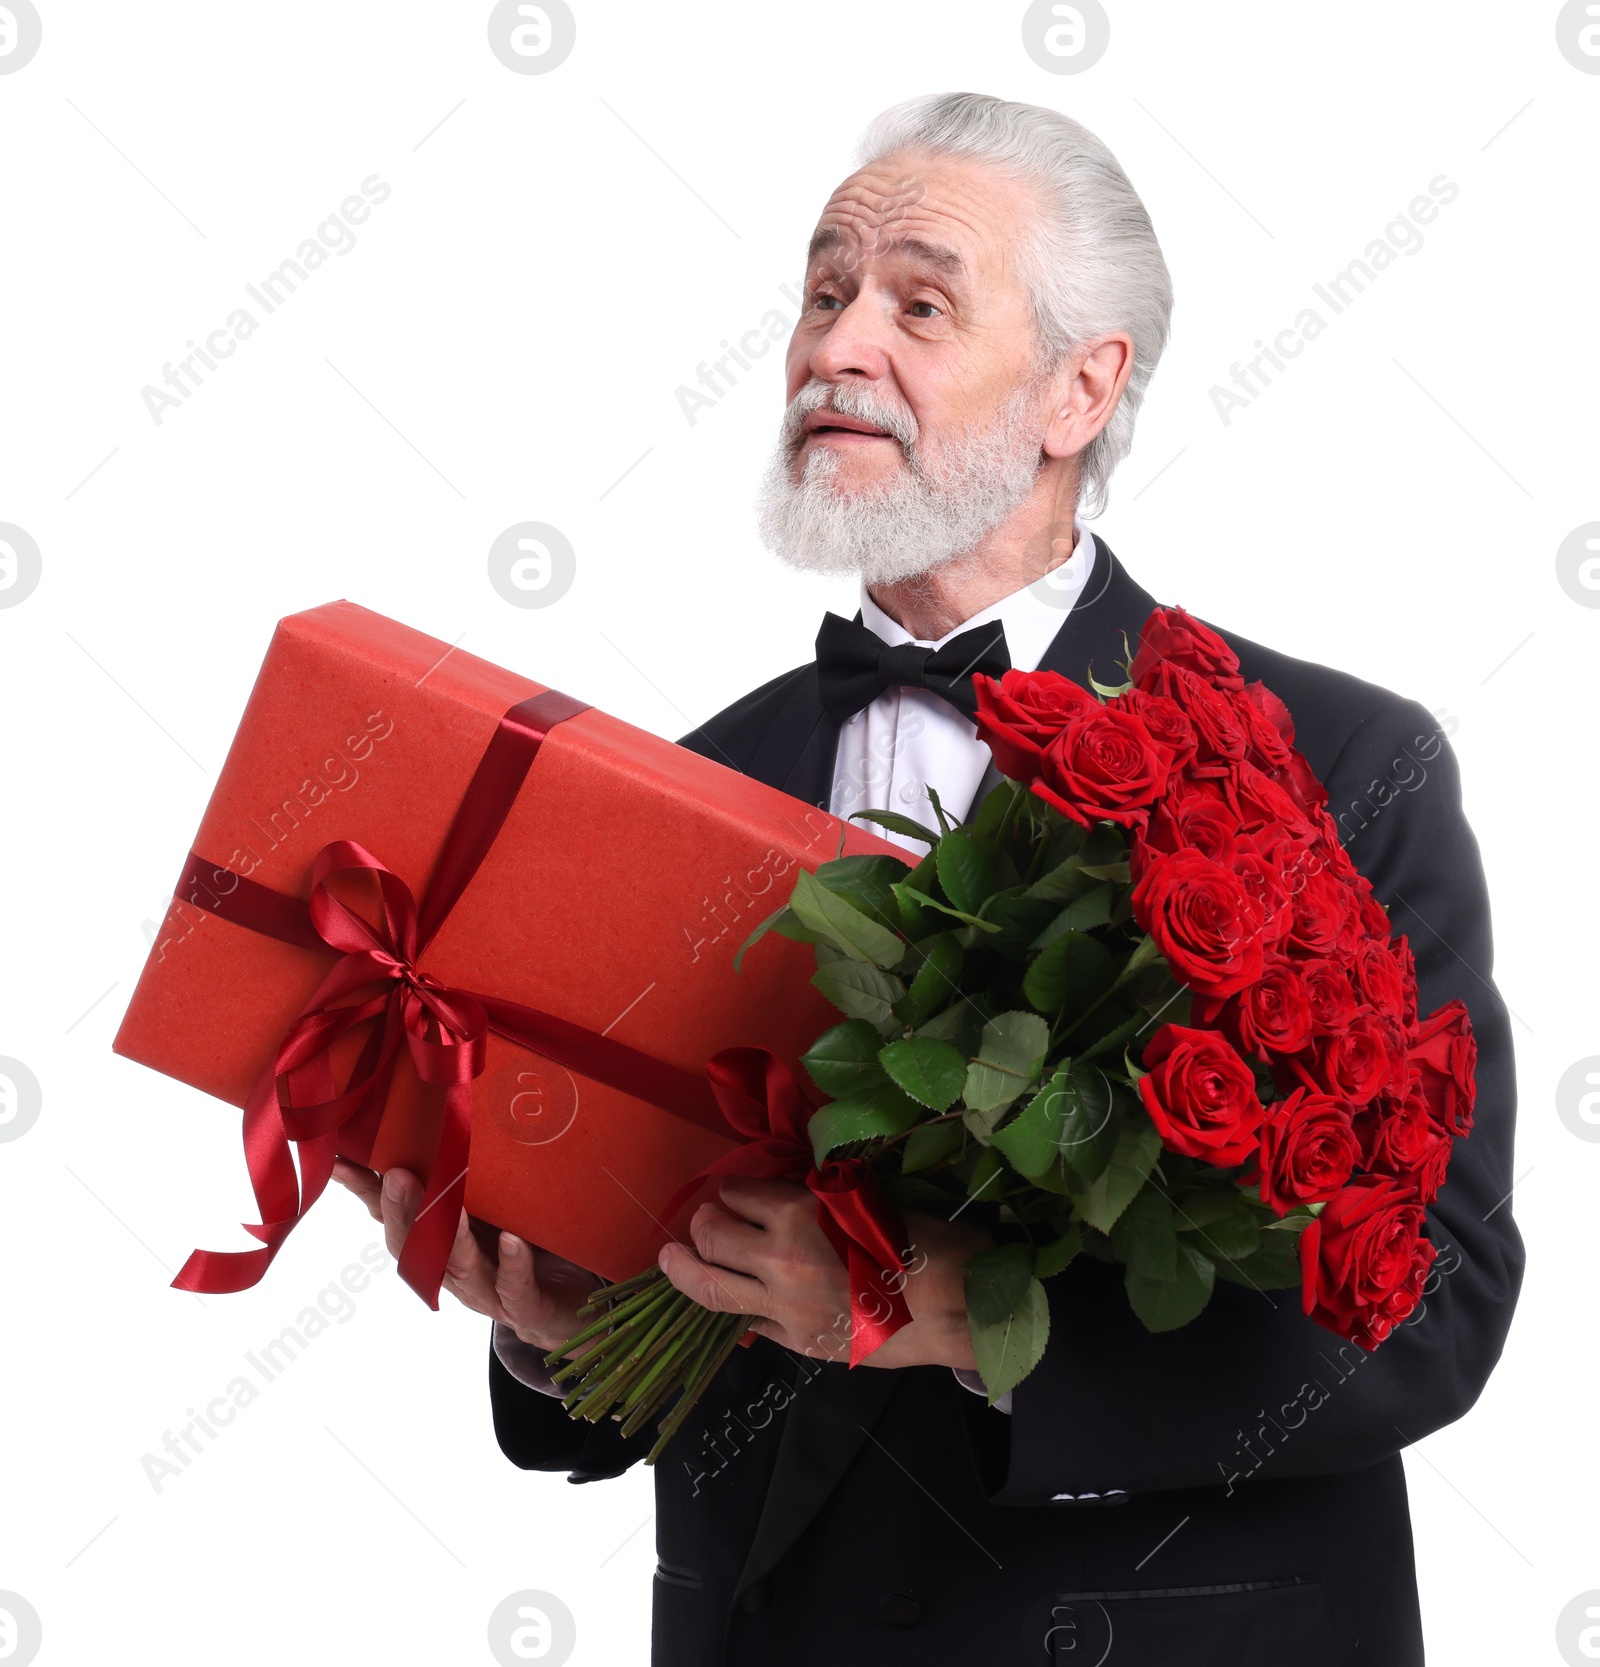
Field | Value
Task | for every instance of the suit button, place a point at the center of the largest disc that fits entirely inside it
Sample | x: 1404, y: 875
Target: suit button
x: 756, y: 1599
x: 900, y: 1609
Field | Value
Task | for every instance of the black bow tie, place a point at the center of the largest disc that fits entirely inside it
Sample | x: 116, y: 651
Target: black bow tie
x: 855, y: 665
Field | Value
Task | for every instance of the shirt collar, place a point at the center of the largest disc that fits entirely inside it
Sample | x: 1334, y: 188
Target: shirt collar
x: 1031, y: 616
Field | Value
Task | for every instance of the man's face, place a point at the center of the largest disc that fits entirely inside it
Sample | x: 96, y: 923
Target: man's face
x: 911, y: 296
x: 912, y: 427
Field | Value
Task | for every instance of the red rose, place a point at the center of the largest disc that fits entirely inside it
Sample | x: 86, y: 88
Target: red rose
x: 1274, y: 1013
x: 1445, y: 1056
x: 1202, y: 919
x: 1322, y: 914
x: 1428, y: 1176
x: 1333, y: 1002
x: 1200, y: 1095
x: 1308, y: 1150
x: 1378, y: 977
x: 1216, y: 726
x: 1363, y: 1260
x: 1172, y: 637
x: 1395, y: 1131
x: 1019, y: 716
x: 1362, y: 1060
x: 1265, y: 745
x: 1264, y: 804
x: 1400, y: 949
x: 1163, y: 719
x: 1266, y: 886
x: 1193, y: 816
x: 1272, y: 709
x: 1103, y: 768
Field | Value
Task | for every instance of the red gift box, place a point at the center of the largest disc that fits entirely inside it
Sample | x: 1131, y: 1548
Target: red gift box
x: 611, y: 902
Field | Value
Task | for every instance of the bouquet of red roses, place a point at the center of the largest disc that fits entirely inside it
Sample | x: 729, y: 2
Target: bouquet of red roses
x: 1143, y: 1008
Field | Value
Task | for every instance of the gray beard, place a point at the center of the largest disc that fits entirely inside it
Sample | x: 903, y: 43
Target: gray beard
x: 933, y: 512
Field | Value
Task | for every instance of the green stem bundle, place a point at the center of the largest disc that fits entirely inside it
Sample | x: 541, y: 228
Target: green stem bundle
x: 647, y: 1343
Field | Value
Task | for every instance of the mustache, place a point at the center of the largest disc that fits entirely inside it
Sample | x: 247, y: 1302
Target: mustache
x: 849, y: 400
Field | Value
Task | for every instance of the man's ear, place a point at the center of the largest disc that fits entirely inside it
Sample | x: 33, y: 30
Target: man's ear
x: 1084, y: 393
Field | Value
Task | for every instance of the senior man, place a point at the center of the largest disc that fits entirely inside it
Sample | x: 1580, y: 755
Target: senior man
x: 985, y: 303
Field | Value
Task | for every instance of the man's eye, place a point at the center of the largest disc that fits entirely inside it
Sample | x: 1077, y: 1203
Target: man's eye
x: 930, y: 309
x: 825, y: 301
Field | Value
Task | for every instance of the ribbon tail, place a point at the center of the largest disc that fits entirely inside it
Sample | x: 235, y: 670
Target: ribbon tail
x: 433, y: 1233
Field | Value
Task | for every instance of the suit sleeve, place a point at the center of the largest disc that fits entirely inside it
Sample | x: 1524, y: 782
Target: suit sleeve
x: 1252, y: 1387
x: 536, y: 1433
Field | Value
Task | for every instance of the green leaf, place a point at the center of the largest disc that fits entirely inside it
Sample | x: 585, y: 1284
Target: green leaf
x: 1053, y: 1258
x: 896, y: 824
x: 998, y: 803
x: 1009, y: 1055
x: 1166, y: 1304
x: 1134, y: 1156
x: 936, y: 981
x: 1019, y: 918
x: 866, y: 882
x: 839, y: 921
x: 1121, y: 1035
x: 1118, y: 871
x: 945, y: 824
x: 945, y: 908
x: 880, y: 1111
x: 928, y: 1144
x: 980, y: 1184
x: 966, y: 871
x: 996, y: 1281
x: 1234, y: 1235
x: 1082, y: 914
x: 844, y: 1060
x: 1007, y: 1352
x: 1064, y: 882
x: 1144, y: 1236
x: 1274, y: 1267
x: 760, y: 932
x: 861, y: 991
x: 950, y: 1025
x: 1070, y: 974
x: 1031, y: 1140
x: 929, y: 1071
x: 1091, y: 1122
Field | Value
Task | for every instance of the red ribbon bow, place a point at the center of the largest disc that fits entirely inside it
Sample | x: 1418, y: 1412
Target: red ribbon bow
x: 759, y: 1096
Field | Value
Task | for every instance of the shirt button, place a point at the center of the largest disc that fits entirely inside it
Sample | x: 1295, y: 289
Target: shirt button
x: 908, y: 792
x: 900, y: 1609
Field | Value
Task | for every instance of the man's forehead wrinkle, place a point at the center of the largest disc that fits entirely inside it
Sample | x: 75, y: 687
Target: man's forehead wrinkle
x: 917, y: 228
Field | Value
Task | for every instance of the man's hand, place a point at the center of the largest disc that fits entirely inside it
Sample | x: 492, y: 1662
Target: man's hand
x: 761, y: 1252
x: 538, y: 1295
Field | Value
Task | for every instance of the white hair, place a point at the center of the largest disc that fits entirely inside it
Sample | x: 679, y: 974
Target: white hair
x: 1091, y: 262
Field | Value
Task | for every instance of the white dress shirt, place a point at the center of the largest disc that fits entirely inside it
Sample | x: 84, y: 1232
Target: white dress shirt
x: 889, y: 754
x: 909, y: 739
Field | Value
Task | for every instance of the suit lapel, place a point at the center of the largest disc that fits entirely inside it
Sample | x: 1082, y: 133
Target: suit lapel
x: 824, y: 1429
x: 1101, y: 632
x: 797, y: 752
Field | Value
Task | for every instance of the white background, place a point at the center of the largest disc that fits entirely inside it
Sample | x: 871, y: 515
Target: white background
x: 554, y: 261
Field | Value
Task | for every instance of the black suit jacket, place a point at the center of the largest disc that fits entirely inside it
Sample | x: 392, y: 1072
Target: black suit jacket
x: 1228, y: 1493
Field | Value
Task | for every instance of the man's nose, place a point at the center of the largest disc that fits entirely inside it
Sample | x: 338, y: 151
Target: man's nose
x: 854, y: 344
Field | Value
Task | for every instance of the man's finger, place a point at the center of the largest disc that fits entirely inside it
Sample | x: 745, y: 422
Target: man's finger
x: 763, y: 1201
x: 727, y: 1239
x: 362, y: 1182
x: 714, y: 1288
x: 402, y: 1197
x: 469, y: 1273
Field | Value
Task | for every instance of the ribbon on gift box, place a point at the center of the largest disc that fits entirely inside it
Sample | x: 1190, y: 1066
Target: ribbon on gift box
x: 376, y: 981
x: 442, y: 1027
x: 759, y: 1096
